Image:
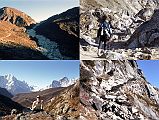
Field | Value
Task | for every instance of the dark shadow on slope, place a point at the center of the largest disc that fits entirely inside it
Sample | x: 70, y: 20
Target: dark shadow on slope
x: 4, y: 92
x: 64, y: 30
x: 147, y: 25
x: 6, y: 105
x: 20, y: 53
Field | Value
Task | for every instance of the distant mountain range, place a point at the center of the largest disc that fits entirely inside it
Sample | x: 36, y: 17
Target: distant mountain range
x: 63, y: 102
x: 55, y: 38
x: 66, y: 99
x: 15, y: 86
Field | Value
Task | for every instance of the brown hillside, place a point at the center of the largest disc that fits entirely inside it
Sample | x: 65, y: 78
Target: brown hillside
x: 26, y: 99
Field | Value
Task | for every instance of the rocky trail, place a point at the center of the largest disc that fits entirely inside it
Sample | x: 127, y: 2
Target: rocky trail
x: 90, y: 53
x: 134, y: 26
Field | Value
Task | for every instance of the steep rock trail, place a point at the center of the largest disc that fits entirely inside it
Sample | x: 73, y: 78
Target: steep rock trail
x: 116, y: 90
x: 135, y: 35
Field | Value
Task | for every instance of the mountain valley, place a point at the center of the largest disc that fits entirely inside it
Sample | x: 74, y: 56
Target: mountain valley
x: 22, y: 38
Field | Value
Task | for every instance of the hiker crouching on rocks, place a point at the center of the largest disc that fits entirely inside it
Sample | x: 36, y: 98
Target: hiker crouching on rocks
x: 104, y: 33
x: 37, y: 105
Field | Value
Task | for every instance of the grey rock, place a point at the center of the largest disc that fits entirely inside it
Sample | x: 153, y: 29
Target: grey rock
x: 120, y: 96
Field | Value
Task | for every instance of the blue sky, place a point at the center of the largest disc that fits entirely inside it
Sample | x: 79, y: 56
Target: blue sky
x: 40, y: 73
x: 151, y: 70
x: 40, y: 9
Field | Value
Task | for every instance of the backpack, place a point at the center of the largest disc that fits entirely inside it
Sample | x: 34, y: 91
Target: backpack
x: 104, y: 30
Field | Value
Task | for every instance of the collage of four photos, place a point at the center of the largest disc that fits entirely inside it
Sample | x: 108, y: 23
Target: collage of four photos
x: 79, y: 60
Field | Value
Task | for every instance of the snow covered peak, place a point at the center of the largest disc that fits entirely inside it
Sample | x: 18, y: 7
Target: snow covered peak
x: 55, y: 84
x: 13, y: 85
x: 10, y: 77
x: 64, y: 82
x: 64, y: 79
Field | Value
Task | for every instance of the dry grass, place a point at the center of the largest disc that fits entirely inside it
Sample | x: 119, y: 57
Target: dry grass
x: 66, y: 103
x: 13, y: 35
x: 16, y: 44
x: 26, y: 99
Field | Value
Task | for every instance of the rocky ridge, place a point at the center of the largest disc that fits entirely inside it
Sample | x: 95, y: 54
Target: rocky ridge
x: 16, y: 17
x: 66, y: 104
x: 16, y: 44
x: 26, y: 99
x: 116, y: 89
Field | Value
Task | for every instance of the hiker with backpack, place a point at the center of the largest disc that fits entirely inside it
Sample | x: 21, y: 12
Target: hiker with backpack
x: 37, y: 105
x: 104, y: 33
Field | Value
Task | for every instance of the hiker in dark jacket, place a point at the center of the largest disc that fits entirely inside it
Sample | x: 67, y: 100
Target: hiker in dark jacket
x: 104, y: 33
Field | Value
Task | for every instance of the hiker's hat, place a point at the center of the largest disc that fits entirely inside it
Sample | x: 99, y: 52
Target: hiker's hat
x: 38, y: 96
